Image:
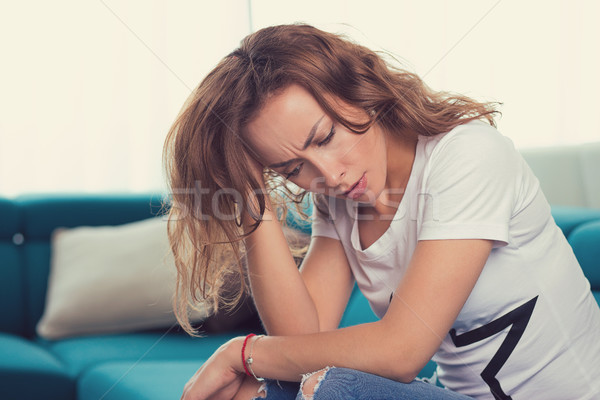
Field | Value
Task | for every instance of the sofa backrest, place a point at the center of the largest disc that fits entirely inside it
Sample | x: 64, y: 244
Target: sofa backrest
x: 12, y: 286
x: 568, y: 175
x: 581, y: 227
x: 585, y: 241
x: 38, y: 216
x: 28, y: 222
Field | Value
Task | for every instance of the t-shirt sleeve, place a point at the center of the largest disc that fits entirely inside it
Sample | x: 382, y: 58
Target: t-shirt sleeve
x: 322, y: 225
x: 469, y: 186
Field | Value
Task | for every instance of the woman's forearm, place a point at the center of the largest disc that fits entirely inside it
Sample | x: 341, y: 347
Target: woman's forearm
x: 281, y: 297
x: 366, y: 347
x: 425, y: 304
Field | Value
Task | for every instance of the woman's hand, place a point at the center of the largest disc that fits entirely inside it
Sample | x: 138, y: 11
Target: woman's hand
x: 220, y: 377
x: 256, y: 169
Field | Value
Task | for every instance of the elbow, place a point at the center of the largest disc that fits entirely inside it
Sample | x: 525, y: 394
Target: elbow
x: 402, y: 373
x: 407, y: 377
x: 402, y: 359
x: 406, y: 367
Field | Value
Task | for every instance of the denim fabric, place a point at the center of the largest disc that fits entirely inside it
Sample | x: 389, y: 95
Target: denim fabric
x: 280, y: 390
x: 348, y: 384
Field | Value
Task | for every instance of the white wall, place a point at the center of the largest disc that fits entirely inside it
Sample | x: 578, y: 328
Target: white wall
x: 540, y: 58
x: 89, y: 89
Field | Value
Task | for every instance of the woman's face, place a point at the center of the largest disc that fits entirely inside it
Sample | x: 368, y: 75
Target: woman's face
x: 293, y: 136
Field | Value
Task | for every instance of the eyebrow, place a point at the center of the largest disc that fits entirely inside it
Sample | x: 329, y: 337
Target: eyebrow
x: 307, y: 143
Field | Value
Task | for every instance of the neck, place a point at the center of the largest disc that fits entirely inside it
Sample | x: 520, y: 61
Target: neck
x: 401, y: 150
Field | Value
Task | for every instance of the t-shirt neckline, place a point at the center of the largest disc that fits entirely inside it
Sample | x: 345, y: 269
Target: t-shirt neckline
x: 378, y: 248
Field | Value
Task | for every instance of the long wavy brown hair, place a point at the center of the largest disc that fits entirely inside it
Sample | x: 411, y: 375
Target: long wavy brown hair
x: 206, y: 157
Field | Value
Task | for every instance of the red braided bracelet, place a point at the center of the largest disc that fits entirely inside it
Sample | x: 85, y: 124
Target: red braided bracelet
x: 244, y: 356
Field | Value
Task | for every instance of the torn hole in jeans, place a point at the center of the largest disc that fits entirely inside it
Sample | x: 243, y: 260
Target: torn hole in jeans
x: 307, y: 379
x: 261, y: 392
x: 263, y: 389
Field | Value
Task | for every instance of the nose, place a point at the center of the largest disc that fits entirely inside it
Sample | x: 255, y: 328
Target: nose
x: 334, y: 179
x: 332, y: 173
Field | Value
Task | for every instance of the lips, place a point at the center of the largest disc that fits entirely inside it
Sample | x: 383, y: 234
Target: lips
x: 353, y: 186
x: 358, y: 188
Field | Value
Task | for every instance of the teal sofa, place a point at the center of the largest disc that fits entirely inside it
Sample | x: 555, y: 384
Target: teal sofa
x: 153, y: 364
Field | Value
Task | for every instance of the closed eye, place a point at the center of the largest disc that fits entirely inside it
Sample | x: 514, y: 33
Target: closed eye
x: 294, y: 172
x: 328, y: 138
x: 323, y: 142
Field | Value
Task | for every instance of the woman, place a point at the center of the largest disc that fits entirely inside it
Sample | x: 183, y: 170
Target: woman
x: 429, y: 209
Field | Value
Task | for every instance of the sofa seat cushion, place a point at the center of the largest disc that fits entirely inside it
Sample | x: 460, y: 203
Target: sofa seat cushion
x: 126, y: 380
x: 81, y: 353
x: 28, y: 371
x: 585, y: 241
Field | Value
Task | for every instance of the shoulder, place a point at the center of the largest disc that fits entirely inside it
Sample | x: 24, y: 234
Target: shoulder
x: 474, y: 137
x: 475, y: 143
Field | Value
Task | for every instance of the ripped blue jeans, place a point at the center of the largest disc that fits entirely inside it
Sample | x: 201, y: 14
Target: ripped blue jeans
x: 349, y: 384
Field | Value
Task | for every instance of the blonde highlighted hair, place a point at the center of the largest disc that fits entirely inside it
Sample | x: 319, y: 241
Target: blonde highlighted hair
x: 206, y: 158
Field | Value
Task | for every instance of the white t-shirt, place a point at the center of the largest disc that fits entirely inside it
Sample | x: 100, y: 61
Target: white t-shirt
x: 530, y: 328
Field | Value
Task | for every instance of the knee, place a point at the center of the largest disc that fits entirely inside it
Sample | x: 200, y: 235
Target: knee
x: 311, y: 382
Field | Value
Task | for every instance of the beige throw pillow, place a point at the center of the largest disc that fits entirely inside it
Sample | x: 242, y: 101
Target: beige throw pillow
x: 110, y: 279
